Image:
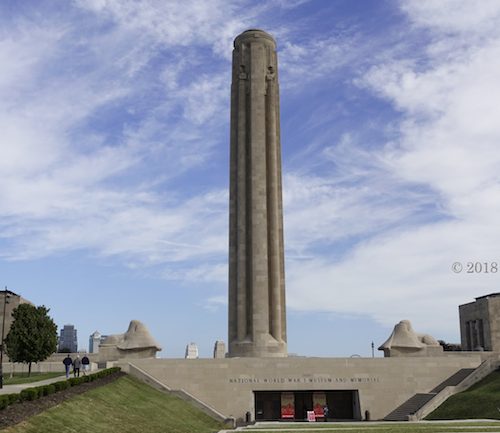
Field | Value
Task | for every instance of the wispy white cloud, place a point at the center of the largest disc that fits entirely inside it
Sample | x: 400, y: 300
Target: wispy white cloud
x: 68, y: 160
x: 104, y: 116
x: 446, y: 147
x: 206, y: 272
x: 214, y: 303
x: 454, y: 16
x: 357, y: 199
x: 194, y: 22
x: 66, y: 181
x: 290, y: 4
x: 306, y: 61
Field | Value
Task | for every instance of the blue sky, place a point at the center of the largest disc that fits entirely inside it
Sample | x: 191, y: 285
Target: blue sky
x: 114, y: 163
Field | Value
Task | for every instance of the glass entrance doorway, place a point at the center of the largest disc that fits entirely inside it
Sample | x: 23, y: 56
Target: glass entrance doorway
x: 303, y: 403
x: 295, y: 405
x: 267, y: 405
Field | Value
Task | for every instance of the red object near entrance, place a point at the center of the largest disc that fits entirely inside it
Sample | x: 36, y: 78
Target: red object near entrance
x: 287, y: 405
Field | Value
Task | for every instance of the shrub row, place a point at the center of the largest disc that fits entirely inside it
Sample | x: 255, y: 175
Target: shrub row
x: 7, y: 399
x: 30, y: 394
x: 91, y: 377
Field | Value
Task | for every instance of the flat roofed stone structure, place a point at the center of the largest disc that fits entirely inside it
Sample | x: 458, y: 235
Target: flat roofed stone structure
x: 480, y: 323
x: 257, y: 317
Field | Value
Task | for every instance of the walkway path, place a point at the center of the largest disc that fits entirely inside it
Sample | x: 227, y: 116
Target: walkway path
x: 14, y: 389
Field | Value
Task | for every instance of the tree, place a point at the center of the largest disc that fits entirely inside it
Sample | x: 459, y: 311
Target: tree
x: 32, y: 336
x: 450, y: 347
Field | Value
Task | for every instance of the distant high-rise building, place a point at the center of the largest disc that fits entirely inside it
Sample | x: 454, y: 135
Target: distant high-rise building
x: 68, y: 341
x: 94, y: 340
x: 191, y: 351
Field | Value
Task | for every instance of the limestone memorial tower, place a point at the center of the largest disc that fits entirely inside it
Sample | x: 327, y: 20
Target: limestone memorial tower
x: 257, y: 317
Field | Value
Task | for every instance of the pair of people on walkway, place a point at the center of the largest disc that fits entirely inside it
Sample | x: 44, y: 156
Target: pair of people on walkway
x: 77, y: 363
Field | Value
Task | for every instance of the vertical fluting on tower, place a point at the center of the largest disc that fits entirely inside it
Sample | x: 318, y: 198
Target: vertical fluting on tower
x: 257, y: 316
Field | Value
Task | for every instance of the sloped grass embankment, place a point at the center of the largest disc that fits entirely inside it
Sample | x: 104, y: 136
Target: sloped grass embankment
x: 124, y: 406
x: 480, y: 401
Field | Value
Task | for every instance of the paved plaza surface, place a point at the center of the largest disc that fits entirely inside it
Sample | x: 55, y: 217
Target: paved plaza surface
x: 453, y: 426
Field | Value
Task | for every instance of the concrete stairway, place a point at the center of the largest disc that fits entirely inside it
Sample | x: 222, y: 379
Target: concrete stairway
x: 413, y: 404
x: 409, y: 406
x: 453, y: 380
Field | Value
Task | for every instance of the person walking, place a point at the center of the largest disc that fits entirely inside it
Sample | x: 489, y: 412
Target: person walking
x: 85, y: 365
x: 77, y: 363
x: 68, y: 362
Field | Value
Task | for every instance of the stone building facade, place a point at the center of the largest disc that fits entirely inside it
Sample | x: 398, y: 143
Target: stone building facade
x: 11, y: 301
x: 480, y: 323
x: 354, y: 388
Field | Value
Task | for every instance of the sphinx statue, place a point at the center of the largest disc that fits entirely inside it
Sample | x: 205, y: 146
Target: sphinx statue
x: 404, y: 341
x: 137, y: 342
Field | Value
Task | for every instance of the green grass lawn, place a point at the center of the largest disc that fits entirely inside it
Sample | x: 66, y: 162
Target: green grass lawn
x: 480, y: 401
x: 422, y: 427
x: 19, y: 378
x: 124, y: 406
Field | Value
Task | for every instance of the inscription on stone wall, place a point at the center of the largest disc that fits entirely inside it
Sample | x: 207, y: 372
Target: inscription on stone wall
x: 303, y: 380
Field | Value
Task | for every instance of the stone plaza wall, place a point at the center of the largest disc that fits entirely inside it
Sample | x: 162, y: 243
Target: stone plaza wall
x: 227, y: 385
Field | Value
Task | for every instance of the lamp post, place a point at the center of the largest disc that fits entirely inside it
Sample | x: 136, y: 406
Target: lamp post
x: 5, y: 302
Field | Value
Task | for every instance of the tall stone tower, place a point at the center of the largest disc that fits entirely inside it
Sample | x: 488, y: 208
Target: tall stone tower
x: 257, y: 317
